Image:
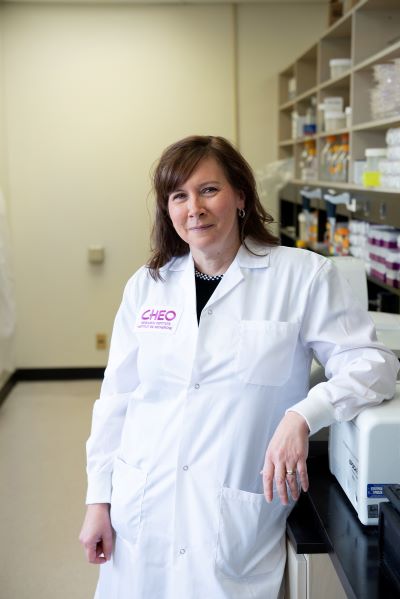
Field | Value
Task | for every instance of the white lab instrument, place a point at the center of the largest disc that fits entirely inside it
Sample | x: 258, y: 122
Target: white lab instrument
x: 364, y: 455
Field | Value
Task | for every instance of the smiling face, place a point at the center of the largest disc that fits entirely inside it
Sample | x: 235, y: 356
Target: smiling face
x: 204, y: 210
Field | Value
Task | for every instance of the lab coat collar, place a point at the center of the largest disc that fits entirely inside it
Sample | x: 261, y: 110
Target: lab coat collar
x: 244, y: 258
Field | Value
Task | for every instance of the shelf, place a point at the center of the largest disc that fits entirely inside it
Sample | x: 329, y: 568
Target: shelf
x: 336, y: 132
x: 337, y: 82
x: 376, y: 31
x: 341, y: 28
x: 350, y: 186
x: 378, y: 124
x: 378, y: 4
x: 302, y: 140
x: 394, y: 290
x: 287, y: 105
x: 369, y: 34
x: 300, y: 98
x: 298, y: 140
x: 389, y: 53
x: 288, y: 232
x: 286, y: 142
x: 307, y: 94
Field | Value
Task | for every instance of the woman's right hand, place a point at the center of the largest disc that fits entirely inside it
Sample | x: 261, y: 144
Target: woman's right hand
x: 96, y: 535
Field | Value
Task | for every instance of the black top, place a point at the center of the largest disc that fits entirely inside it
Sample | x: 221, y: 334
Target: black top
x: 205, y: 287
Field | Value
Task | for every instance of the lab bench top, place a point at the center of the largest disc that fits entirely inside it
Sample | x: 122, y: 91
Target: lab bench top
x: 324, y: 521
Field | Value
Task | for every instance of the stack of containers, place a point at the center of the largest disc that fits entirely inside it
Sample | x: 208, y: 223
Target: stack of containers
x: 339, y: 67
x: 359, y: 231
x: 384, y: 254
x: 385, y: 94
x: 333, y: 116
x: 390, y: 166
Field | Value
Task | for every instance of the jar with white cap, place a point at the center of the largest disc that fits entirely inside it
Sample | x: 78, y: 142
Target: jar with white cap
x: 339, y: 66
x: 372, y: 174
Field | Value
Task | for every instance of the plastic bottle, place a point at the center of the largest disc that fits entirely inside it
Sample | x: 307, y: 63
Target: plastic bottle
x: 308, y: 161
x: 310, y: 122
x: 312, y: 233
x: 372, y: 175
x: 325, y: 155
x: 342, y: 159
x: 302, y: 221
x: 333, y: 157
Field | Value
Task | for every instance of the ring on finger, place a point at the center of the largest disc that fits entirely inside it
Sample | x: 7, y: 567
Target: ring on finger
x: 290, y: 472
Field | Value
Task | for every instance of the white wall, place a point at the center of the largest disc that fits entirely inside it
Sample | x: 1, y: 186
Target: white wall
x: 92, y: 96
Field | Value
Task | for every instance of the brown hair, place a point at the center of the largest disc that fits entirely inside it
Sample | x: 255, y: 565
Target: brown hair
x: 175, y: 166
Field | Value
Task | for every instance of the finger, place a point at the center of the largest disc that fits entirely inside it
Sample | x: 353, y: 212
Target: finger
x: 303, y: 474
x: 268, y: 480
x: 107, y: 545
x: 280, y: 480
x: 291, y: 480
x: 94, y: 554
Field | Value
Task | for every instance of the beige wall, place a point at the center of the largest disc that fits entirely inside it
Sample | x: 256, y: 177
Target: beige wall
x: 2, y: 158
x: 92, y: 95
x: 270, y: 37
x: 6, y: 357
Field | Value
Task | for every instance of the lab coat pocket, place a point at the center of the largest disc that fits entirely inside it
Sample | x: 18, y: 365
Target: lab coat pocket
x: 266, y: 350
x: 128, y: 485
x: 251, y: 534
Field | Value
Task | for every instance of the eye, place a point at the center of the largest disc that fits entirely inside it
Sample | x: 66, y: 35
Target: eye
x: 179, y: 196
x: 209, y: 190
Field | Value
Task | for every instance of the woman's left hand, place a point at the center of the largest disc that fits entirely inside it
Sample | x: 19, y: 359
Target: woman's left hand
x: 286, y: 457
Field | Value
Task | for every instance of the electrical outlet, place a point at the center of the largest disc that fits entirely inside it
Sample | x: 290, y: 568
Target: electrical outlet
x: 101, y: 341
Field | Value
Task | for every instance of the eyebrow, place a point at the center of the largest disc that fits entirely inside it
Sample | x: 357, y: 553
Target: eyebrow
x: 199, y: 185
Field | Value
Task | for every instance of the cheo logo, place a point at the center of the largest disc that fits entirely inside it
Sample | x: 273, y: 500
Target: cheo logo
x: 159, y: 315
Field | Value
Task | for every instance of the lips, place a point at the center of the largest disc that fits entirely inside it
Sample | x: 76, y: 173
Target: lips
x: 200, y: 228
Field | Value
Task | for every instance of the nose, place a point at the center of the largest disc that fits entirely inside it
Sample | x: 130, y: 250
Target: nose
x: 195, y: 205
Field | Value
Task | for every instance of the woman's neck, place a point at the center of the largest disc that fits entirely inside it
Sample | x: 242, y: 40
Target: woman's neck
x: 214, y: 264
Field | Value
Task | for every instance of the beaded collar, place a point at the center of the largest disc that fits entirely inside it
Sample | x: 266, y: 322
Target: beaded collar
x: 201, y: 275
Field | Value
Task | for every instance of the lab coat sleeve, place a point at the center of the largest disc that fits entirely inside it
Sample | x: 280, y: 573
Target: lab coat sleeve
x: 361, y: 371
x: 120, y: 380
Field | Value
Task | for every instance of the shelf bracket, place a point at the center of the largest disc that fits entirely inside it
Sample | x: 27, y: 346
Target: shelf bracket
x: 311, y: 194
x: 342, y: 198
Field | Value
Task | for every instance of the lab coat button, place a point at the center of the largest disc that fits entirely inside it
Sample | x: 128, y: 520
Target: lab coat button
x: 197, y: 386
x: 210, y: 311
x: 185, y: 467
x: 182, y: 551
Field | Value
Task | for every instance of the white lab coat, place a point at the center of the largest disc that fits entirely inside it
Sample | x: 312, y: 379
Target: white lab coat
x: 186, y: 413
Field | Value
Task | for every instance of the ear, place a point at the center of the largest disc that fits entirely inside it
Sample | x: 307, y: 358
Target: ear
x: 241, y: 200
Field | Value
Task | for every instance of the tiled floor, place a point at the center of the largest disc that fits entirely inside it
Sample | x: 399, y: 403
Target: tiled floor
x: 43, y: 429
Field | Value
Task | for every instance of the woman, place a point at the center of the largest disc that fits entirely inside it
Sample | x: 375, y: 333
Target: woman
x: 207, y: 385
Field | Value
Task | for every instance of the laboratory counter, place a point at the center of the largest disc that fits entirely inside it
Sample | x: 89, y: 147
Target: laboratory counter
x: 324, y: 521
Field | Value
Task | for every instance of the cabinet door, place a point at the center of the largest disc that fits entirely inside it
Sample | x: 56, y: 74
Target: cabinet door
x: 311, y: 576
x: 322, y: 580
x: 295, y: 574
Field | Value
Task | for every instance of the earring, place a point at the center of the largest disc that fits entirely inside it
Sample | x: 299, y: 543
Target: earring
x: 241, y: 212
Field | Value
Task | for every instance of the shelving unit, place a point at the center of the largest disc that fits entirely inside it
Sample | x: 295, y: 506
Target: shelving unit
x: 368, y: 34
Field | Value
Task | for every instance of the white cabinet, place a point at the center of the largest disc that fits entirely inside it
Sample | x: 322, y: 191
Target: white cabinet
x: 311, y: 576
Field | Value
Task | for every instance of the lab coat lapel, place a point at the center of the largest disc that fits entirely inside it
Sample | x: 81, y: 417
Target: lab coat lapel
x: 231, y: 278
x: 244, y: 260
x: 187, y: 284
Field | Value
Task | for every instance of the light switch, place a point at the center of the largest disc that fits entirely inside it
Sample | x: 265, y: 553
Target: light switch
x: 96, y: 254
